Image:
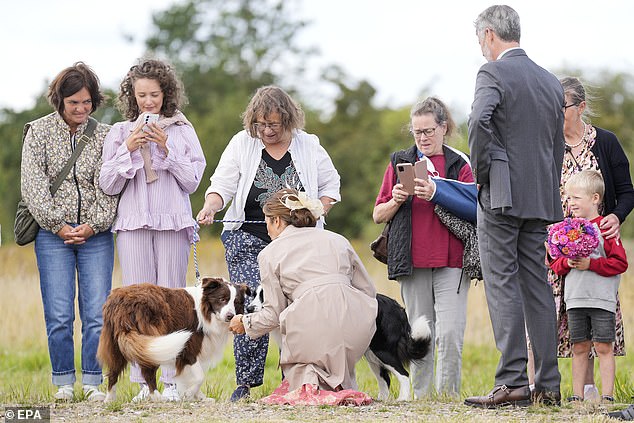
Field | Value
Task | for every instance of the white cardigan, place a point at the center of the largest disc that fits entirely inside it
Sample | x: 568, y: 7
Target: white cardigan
x: 238, y: 165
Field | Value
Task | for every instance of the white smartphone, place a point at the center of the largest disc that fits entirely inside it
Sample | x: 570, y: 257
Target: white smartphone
x: 149, y: 118
x: 420, y: 169
x: 405, y: 173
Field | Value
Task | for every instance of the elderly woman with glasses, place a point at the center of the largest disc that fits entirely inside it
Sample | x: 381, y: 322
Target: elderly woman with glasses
x: 424, y: 256
x: 271, y: 153
x: 591, y: 147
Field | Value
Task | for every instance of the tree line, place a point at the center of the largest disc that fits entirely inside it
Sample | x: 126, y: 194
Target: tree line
x: 224, y: 51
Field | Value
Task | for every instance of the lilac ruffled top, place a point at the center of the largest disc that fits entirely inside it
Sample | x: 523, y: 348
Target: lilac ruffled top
x: 162, y: 204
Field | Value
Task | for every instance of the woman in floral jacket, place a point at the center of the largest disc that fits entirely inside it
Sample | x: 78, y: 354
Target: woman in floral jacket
x: 74, y: 240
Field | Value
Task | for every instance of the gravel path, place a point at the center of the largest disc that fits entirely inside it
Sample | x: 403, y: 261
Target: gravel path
x: 423, y: 411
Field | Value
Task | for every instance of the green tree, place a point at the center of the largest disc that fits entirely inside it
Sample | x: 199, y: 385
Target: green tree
x: 225, y: 51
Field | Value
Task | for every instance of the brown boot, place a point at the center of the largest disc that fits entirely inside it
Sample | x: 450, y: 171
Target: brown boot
x: 501, y: 396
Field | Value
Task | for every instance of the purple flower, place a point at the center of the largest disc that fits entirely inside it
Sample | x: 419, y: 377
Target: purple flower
x: 572, y: 238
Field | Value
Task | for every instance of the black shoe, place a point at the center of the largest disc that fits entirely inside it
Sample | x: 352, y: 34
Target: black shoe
x: 627, y: 414
x: 241, y: 392
x: 540, y: 396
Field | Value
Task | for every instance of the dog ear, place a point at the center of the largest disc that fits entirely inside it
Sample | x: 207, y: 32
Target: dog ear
x: 212, y: 283
x: 245, y: 288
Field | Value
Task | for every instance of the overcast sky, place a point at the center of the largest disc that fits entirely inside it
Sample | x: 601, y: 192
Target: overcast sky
x: 400, y: 46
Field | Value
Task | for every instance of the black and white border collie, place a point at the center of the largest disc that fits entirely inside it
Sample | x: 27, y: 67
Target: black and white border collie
x: 182, y: 328
x: 393, y: 345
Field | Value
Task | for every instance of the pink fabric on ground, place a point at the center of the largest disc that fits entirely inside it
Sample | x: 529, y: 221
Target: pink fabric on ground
x: 309, y: 394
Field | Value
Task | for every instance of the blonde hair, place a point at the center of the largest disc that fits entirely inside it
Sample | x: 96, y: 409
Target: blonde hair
x: 589, y: 181
x: 276, y: 207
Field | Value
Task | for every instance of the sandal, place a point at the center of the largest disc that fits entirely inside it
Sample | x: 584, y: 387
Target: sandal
x: 627, y: 414
x: 607, y: 398
x: 574, y: 398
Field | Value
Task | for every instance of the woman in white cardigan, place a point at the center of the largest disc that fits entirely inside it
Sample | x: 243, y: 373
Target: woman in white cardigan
x: 271, y: 153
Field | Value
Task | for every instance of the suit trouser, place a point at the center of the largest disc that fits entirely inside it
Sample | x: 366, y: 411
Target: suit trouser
x: 518, y: 294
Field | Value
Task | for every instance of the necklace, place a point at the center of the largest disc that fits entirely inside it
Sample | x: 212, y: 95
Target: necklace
x: 583, y: 138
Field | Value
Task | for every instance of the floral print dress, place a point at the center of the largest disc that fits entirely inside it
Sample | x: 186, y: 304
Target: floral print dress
x: 585, y: 160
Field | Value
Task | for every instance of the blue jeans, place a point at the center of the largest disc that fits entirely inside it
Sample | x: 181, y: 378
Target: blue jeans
x: 58, y: 264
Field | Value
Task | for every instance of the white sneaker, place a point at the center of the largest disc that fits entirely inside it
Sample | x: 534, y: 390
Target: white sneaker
x: 93, y: 394
x: 64, y: 393
x: 170, y: 393
x: 143, y: 394
x: 591, y: 393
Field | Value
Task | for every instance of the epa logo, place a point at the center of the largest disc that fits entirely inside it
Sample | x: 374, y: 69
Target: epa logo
x: 27, y: 414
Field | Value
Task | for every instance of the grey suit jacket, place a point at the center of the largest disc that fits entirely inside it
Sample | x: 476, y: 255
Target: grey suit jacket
x: 516, y: 137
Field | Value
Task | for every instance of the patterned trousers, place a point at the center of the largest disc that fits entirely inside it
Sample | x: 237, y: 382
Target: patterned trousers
x: 241, y: 253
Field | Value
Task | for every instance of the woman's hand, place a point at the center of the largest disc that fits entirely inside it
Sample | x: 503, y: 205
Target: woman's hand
x: 398, y: 194
x: 424, y: 188
x: 136, y: 139
x: 236, y: 326
x: 77, y: 235
x: 157, y: 135
x: 213, y: 203
x: 609, y: 226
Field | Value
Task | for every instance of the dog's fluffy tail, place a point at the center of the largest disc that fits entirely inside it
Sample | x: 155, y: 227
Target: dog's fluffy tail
x: 419, y: 340
x: 149, y: 351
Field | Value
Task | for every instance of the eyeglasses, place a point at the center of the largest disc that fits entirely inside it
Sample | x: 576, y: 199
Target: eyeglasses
x: 259, y: 126
x: 428, y: 132
x: 566, y: 106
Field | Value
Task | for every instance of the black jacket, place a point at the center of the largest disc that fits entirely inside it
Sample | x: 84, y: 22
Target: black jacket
x: 399, y: 256
x: 615, y: 168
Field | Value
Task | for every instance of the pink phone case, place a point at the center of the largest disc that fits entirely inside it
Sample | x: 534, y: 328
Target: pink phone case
x: 405, y: 173
x: 420, y: 169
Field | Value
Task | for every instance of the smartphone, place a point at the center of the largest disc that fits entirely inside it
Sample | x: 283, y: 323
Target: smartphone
x: 420, y: 169
x: 149, y: 118
x: 405, y: 172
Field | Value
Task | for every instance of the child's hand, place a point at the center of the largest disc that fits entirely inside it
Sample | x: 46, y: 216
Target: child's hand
x: 580, y: 263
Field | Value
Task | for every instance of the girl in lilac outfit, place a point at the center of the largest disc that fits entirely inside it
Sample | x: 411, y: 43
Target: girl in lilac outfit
x: 155, y: 167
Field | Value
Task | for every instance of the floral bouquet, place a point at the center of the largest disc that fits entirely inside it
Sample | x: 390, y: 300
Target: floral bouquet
x: 572, y: 238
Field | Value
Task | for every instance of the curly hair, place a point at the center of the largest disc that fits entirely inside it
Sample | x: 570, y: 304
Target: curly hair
x: 274, y: 207
x: 70, y: 81
x: 268, y: 100
x: 171, y: 86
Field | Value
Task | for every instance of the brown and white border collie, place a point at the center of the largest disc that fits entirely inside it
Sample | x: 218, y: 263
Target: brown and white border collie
x: 182, y: 328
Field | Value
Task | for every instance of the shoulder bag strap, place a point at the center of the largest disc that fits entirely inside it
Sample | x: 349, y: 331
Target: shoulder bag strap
x: 81, y: 143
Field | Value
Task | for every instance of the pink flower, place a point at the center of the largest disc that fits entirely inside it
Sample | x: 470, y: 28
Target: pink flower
x: 572, y: 238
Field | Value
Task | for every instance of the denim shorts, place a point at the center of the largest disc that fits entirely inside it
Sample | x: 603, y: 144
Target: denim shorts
x: 593, y: 324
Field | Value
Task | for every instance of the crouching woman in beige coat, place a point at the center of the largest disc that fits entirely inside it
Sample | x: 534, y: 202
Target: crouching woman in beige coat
x: 318, y: 292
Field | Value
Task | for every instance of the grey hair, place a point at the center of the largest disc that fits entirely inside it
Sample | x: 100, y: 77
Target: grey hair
x: 502, y: 19
x: 575, y: 90
x: 436, y: 107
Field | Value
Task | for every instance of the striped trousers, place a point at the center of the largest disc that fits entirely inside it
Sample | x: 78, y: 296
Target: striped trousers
x: 157, y: 257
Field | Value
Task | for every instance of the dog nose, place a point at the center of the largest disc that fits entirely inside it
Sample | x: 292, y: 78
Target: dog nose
x: 230, y: 316
x: 250, y: 309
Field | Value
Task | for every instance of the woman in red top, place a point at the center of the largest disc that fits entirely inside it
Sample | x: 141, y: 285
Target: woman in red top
x: 423, y: 255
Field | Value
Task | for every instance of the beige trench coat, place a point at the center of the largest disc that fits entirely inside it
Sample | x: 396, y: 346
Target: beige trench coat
x: 319, y: 293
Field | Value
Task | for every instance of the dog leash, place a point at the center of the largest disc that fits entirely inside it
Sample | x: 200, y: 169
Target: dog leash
x: 196, y: 239
x: 237, y: 221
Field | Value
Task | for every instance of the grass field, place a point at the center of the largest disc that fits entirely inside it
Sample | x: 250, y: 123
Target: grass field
x: 25, y: 367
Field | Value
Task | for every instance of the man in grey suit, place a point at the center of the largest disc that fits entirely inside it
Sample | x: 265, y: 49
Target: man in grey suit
x: 517, y: 147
